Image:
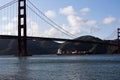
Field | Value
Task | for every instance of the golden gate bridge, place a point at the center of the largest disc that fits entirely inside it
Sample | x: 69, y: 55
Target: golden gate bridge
x: 21, y: 26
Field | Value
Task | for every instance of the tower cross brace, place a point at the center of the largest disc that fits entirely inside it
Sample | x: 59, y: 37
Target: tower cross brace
x: 22, y: 30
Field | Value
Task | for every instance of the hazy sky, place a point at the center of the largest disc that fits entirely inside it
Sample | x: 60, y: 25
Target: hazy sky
x: 99, y: 18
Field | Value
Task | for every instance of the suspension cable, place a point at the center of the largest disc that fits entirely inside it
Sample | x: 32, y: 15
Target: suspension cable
x: 113, y: 35
x: 51, y: 20
x: 6, y: 15
x: 8, y: 4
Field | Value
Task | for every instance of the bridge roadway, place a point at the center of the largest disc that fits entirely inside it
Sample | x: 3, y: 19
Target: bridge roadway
x: 58, y: 39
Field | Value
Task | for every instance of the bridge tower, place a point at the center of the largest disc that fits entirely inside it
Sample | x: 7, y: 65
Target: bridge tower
x: 22, y: 31
x: 118, y: 40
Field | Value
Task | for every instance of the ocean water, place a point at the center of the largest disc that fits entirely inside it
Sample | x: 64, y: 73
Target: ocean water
x: 54, y: 67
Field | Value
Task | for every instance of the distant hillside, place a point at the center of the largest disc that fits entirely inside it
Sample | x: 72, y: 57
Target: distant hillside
x: 93, y: 48
x: 42, y: 47
x: 9, y: 47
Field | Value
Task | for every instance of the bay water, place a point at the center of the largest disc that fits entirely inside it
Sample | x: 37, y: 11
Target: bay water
x: 56, y: 67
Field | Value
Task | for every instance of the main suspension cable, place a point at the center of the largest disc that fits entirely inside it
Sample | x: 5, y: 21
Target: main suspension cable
x: 51, y: 20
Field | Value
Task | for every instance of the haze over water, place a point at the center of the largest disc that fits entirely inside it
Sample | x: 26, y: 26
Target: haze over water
x: 53, y: 67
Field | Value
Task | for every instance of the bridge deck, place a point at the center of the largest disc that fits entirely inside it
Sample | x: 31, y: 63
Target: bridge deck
x: 57, y: 39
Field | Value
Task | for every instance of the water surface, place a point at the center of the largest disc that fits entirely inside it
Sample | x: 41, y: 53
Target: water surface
x: 53, y: 67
